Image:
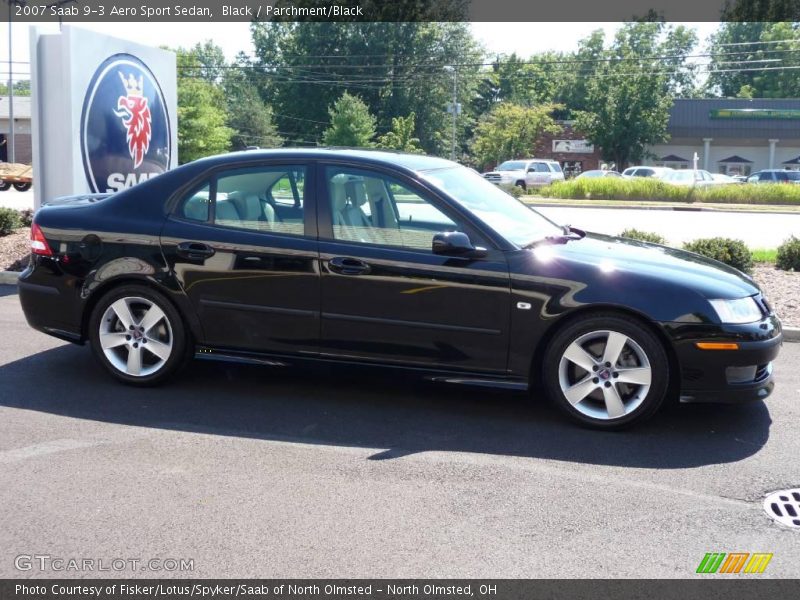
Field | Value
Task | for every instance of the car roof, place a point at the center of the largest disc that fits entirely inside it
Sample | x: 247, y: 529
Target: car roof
x: 413, y: 162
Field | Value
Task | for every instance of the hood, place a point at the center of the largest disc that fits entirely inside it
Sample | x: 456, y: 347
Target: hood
x: 504, y: 173
x: 706, y: 277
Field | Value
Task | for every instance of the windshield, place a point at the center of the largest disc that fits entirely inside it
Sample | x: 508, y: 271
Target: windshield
x: 511, y: 165
x: 502, y: 212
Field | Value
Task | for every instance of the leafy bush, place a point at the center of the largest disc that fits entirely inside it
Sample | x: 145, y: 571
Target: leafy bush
x: 9, y: 220
x: 788, y: 258
x: 515, y: 191
x: 731, y: 252
x: 643, y: 188
x: 643, y: 236
x: 26, y: 217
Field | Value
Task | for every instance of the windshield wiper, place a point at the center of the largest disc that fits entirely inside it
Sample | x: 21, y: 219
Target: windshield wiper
x: 570, y: 234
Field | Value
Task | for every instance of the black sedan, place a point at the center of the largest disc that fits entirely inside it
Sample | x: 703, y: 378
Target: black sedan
x: 406, y: 261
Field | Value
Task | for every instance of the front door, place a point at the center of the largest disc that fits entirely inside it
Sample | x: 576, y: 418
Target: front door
x: 386, y: 296
x: 242, y: 244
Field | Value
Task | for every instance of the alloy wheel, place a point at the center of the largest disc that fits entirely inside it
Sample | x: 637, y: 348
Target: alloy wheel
x: 136, y: 336
x: 604, y: 374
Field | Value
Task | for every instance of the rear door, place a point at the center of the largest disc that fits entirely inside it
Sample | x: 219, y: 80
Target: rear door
x: 242, y: 243
x: 386, y: 296
x: 538, y: 174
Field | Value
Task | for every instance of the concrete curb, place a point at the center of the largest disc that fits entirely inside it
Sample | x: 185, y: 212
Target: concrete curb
x: 688, y: 208
x: 790, y: 334
x: 9, y: 277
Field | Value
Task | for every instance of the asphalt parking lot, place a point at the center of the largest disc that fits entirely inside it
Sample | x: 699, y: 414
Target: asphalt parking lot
x: 281, y: 473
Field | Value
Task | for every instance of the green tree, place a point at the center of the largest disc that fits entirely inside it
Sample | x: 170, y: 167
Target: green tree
x: 511, y: 131
x: 302, y: 68
x: 401, y: 137
x: 739, y: 46
x: 201, y: 112
x: 629, y: 95
x: 352, y: 125
x: 248, y: 116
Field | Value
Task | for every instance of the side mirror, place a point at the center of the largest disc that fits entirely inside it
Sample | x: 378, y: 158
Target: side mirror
x: 456, y: 243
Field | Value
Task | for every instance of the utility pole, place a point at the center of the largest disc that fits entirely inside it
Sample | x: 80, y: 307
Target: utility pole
x: 10, y: 141
x: 454, y: 109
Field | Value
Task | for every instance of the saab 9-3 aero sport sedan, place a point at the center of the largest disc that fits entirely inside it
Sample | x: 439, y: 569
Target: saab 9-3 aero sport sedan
x: 397, y: 260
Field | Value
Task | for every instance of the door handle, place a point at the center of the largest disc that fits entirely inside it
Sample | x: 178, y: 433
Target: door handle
x: 348, y: 266
x: 195, y: 250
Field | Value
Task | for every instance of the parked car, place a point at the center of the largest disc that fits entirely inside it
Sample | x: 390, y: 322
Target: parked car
x: 527, y: 173
x: 595, y: 173
x: 374, y: 258
x: 644, y: 171
x: 689, y: 177
x: 774, y: 176
x: 722, y: 179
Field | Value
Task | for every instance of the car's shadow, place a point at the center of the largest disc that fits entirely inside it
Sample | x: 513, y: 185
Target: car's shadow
x: 386, y: 411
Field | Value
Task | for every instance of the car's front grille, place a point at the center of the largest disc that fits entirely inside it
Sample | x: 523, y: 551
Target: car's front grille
x: 762, y: 372
x: 492, y: 178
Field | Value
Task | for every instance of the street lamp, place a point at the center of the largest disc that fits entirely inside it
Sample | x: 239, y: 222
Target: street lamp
x: 454, y: 108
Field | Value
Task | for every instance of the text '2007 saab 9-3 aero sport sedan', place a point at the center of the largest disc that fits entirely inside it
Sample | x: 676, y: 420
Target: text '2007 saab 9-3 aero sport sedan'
x: 384, y: 259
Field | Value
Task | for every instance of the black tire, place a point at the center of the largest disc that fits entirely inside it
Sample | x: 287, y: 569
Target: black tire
x: 5, y: 185
x: 522, y: 185
x: 170, y: 330
x: 22, y: 187
x: 591, y: 333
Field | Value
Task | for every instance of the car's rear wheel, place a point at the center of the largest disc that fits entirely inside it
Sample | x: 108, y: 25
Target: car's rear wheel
x: 137, y: 335
x: 606, y: 371
x: 5, y: 185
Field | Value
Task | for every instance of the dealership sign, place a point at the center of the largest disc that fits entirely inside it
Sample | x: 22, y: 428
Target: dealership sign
x: 125, y: 136
x: 103, y: 112
x: 754, y: 113
x: 573, y: 146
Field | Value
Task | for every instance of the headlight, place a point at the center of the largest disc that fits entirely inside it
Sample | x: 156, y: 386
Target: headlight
x: 741, y: 310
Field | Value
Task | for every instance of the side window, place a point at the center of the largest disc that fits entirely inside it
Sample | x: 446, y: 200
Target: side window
x: 765, y: 177
x: 555, y: 167
x: 541, y: 167
x: 195, y: 207
x: 371, y: 208
x: 268, y: 199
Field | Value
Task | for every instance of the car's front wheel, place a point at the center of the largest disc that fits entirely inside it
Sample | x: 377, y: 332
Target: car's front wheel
x: 137, y: 335
x: 606, y: 371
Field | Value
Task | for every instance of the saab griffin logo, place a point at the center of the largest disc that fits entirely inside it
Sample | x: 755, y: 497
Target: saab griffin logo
x: 735, y: 562
x: 135, y: 115
x: 125, y: 128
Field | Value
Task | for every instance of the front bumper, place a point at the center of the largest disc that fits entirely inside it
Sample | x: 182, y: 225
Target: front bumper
x: 726, y: 376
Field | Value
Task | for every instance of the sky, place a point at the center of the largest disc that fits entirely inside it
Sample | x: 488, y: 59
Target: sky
x: 523, y: 38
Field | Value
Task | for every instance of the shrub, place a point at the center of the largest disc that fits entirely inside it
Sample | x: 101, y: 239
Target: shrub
x: 26, y: 217
x: 788, y: 258
x: 643, y: 236
x: 731, y: 252
x: 515, y: 191
x: 9, y: 220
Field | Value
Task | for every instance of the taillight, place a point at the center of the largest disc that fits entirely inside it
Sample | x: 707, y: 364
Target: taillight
x: 39, y: 244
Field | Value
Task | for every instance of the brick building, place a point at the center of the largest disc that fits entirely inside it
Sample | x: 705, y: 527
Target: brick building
x: 570, y: 148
